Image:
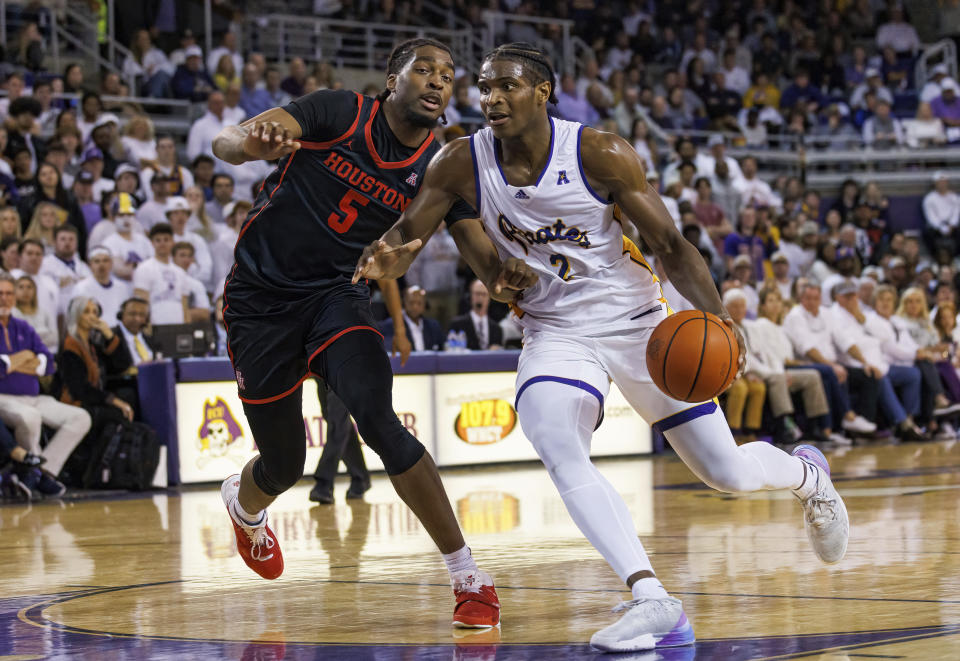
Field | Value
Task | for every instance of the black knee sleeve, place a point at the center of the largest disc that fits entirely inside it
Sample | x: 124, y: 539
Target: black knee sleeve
x: 281, y: 438
x: 358, y: 370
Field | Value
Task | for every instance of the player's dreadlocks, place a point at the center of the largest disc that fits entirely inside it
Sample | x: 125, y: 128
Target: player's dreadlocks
x: 534, y: 61
x: 403, y: 53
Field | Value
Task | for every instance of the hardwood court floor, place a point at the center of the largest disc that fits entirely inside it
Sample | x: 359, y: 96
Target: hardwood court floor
x: 158, y: 576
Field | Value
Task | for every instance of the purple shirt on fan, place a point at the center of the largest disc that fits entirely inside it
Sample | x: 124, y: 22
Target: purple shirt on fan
x: 945, y: 110
x: 16, y: 336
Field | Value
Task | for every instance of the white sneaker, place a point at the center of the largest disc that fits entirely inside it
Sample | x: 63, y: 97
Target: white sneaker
x: 839, y: 439
x: 859, y: 424
x: 647, y: 624
x: 825, y: 515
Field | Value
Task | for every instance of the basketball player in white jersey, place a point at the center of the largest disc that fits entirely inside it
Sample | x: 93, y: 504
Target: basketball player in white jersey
x: 555, y: 193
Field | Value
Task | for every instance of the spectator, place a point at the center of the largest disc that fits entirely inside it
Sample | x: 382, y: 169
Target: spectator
x: 177, y: 214
x: 109, y: 292
x: 49, y: 189
x: 707, y: 163
x: 23, y: 358
x: 254, y: 99
x: 179, y: 177
x: 198, y: 303
x: 103, y: 136
x: 24, y: 176
x: 10, y: 223
x: 933, y: 87
x: 762, y: 93
x: 724, y: 191
x: 883, y: 130
x: 91, y: 107
x: 709, y: 214
x: 224, y: 74
x: 278, y: 96
x: 154, y: 210
x: 89, y: 352
x: 160, y: 281
x: 149, y: 65
x: 899, y: 349
x: 14, y: 85
x: 29, y: 47
x: 205, y: 129
x: 232, y: 112
x: 179, y: 55
x: 22, y: 130
x: 941, y: 211
x: 65, y: 266
x: 227, y: 47
x: 781, y: 281
x: 746, y: 241
x: 83, y: 194
x: 811, y: 332
x: 47, y: 216
x: 126, y: 241
x: 572, y: 107
x: 191, y: 81
x: 874, y: 84
x: 43, y: 92
x: 836, y: 133
x: 753, y: 190
x: 293, y: 84
x: 199, y: 222
x: 134, y: 316
x: 946, y: 107
x: 222, y: 196
x: 924, y: 130
x: 425, y: 334
x: 93, y: 163
x: 221, y: 250
x: 845, y: 265
x: 482, y: 332
x: 742, y: 272
x: 203, y: 170
x: 898, y: 34
x: 749, y: 392
x: 735, y: 77
x: 128, y: 180
x: 139, y: 145
x: 31, y: 259
x: 10, y: 253
x: 43, y: 321
x: 863, y: 357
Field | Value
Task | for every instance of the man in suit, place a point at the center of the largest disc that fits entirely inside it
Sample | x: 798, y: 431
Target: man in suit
x: 342, y: 443
x: 482, y: 332
x: 424, y: 333
x: 134, y: 316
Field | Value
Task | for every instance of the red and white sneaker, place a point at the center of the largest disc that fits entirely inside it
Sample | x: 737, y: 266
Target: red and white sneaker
x: 477, y: 604
x: 257, y: 545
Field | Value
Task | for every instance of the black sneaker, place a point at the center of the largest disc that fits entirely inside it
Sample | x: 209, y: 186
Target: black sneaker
x: 322, y: 493
x: 358, y: 488
x: 50, y: 486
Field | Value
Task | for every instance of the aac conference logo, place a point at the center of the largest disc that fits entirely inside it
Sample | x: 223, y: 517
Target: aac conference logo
x: 485, y: 421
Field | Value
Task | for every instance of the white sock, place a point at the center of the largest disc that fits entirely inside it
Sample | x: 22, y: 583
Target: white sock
x: 649, y: 588
x: 811, y: 478
x: 461, y: 560
x: 245, y: 518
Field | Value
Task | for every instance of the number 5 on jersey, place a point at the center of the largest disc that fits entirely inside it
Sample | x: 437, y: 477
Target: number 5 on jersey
x: 564, y: 266
x: 351, y: 197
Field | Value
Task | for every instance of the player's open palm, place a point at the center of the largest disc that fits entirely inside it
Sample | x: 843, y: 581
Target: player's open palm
x: 380, y: 260
x: 269, y: 141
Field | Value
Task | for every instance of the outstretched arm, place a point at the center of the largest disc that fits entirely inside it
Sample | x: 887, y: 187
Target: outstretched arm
x: 614, y: 168
x: 442, y: 183
x: 270, y: 135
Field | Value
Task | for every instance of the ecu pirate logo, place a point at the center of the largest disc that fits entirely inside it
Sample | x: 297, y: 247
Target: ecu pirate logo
x: 219, y: 434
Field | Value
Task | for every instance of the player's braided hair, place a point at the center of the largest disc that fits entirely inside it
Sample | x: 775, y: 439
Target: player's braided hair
x: 534, y: 61
x: 401, y: 55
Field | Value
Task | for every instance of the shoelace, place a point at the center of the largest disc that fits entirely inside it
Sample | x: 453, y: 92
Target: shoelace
x: 469, y: 584
x: 821, y: 509
x: 261, y: 541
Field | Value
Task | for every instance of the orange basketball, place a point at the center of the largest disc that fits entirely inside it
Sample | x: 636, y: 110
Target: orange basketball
x: 692, y: 356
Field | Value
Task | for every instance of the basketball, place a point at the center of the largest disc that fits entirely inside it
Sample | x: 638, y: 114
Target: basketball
x: 692, y: 356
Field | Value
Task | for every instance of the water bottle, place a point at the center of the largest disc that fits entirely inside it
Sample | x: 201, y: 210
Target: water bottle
x: 462, y: 342
x: 451, y: 343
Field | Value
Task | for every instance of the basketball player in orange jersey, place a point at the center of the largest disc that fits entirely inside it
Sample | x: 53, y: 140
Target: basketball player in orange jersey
x: 348, y: 166
x: 554, y: 193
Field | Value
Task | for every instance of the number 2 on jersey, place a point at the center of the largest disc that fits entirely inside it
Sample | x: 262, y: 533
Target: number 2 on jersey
x: 350, y: 212
x: 561, y: 261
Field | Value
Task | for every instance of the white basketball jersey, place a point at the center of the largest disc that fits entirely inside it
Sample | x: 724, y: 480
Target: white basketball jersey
x: 593, y: 279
